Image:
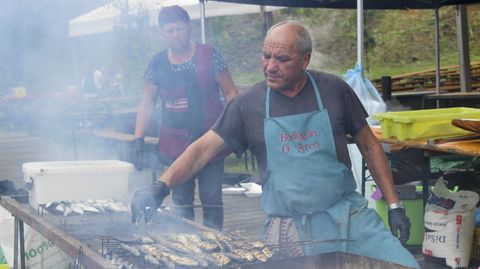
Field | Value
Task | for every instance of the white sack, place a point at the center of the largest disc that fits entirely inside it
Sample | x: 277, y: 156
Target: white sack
x: 40, y: 253
x: 449, y: 225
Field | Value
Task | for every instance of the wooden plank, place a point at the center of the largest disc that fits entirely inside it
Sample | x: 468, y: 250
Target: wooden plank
x: 122, y: 137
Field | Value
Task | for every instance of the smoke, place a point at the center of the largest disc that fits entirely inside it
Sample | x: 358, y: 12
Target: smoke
x: 38, y: 56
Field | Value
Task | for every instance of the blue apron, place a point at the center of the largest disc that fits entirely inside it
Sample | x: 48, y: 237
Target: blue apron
x: 308, y: 183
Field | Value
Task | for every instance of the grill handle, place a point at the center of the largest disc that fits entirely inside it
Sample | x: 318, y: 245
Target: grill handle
x: 28, y: 184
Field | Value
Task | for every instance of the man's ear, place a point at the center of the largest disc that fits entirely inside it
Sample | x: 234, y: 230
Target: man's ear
x: 306, y: 60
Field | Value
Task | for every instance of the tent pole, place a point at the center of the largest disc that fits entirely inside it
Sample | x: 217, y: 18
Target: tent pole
x: 463, y: 49
x: 360, y: 34
x: 437, y: 54
x: 202, y: 21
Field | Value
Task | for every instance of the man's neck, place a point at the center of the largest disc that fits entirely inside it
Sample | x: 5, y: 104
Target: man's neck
x: 295, y: 89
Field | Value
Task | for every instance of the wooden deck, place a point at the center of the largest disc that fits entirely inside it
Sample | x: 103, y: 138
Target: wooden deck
x: 241, y: 212
x: 426, y: 80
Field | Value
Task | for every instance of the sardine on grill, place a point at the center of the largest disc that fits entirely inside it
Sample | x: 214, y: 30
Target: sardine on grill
x: 88, y: 209
x: 208, y: 246
x: 147, y: 240
x: 221, y: 258
x: 249, y: 244
x: 259, y: 255
x: 209, y: 235
x: 184, y: 261
x: 160, y: 255
x: 151, y: 260
x: 194, y: 238
x: 201, y: 260
x: 132, y: 250
x: 77, y: 209
x: 192, y: 247
x: 175, y: 246
x: 179, y: 237
x: 244, y: 254
x: 267, y: 252
x: 167, y: 262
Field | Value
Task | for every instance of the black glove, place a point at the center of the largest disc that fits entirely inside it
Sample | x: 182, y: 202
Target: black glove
x: 137, y: 153
x: 147, y: 200
x: 398, y: 221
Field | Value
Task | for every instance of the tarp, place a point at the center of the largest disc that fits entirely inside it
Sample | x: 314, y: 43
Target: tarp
x: 352, y: 4
x: 106, y: 18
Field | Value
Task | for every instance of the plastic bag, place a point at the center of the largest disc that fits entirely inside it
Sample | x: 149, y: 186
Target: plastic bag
x: 39, y: 252
x: 366, y: 92
x: 449, y: 225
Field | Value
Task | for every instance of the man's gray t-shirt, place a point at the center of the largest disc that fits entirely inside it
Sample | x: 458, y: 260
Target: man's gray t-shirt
x: 241, y: 124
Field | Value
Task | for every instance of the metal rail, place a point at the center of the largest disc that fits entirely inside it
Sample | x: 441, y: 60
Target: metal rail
x: 71, y: 246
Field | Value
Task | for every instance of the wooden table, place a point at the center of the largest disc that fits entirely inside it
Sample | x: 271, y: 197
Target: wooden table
x: 471, y: 99
x: 469, y: 147
x: 466, y: 148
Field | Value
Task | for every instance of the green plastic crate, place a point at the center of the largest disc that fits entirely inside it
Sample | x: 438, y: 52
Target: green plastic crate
x: 425, y: 123
x: 3, y: 261
x: 415, y: 212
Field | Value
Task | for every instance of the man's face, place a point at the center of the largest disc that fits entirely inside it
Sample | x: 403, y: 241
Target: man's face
x: 177, y: 34
x: 283, y: 65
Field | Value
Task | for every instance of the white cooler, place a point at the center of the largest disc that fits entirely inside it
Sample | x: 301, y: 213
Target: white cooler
x: 76, y: 180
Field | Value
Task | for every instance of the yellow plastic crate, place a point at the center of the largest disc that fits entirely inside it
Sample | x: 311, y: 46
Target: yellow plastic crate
x: 425, y: 123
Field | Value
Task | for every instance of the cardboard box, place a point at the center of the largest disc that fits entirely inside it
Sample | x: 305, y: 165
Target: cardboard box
x: 76, y: 180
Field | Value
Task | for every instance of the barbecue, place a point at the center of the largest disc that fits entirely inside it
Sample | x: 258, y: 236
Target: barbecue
x: 109, y: 240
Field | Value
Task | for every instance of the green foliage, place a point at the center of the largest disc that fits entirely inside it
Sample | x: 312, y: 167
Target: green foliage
x: 396, y: 41
x: 237, y: 165
x: 239, y: 39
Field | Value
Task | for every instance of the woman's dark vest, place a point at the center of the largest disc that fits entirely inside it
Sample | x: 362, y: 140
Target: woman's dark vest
x: 190, y: 101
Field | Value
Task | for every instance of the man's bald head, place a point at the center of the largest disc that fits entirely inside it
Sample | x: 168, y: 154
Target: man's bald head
x: 304, y: 41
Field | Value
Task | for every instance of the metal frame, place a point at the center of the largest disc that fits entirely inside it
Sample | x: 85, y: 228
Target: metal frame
x: 72, y: 247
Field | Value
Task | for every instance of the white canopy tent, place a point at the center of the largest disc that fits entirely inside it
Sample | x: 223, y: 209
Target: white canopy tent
x: 106, y: 18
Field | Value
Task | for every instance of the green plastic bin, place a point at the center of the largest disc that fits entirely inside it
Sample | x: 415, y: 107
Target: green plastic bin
x: 3, y: 261
x: 425, y: 123
x: 415, y: 212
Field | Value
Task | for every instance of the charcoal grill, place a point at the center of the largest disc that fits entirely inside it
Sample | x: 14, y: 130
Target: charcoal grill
x: 84, y: 239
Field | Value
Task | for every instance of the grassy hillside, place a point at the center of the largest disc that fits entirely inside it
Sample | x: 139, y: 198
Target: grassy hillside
x: 396, y: 41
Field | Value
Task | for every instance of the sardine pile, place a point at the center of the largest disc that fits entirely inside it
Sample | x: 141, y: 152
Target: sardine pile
x: 91, y: 206
x: 188, y: 250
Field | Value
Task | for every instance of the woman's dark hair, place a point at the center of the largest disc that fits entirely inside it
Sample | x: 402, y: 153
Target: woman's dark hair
x: 172, y: 14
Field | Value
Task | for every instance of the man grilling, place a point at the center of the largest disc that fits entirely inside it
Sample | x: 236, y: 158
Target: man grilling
x: 295, y: 123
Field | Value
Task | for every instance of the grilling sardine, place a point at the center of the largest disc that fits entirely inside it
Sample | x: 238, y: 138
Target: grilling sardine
x: 184, y: 261
x: 259, y: 255
x: 267, y: 252
x: 151, y: 260
x: 159, y: 255
x: 208, y: 246
x: 244, y: 254
x: 209, y: 235
x: 132, y: 250
x: 221, y: 258
x: 194, y: 238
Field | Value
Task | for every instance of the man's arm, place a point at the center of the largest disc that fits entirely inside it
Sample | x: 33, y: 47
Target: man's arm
x: 225, y: 81
x: 373, y: 154
x: 193, y: 159
x: 376, y: 160
x: 145, y: 109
